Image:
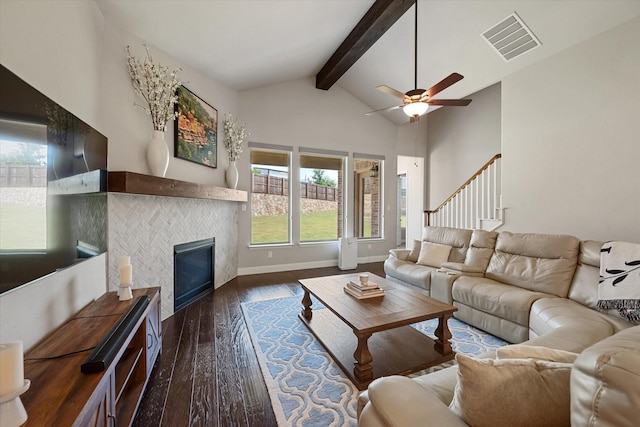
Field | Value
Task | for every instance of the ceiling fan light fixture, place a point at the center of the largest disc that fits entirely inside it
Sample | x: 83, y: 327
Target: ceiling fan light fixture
x: 415, y: 109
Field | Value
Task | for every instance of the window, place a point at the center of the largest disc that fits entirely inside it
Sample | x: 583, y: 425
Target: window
x: 23, y: 186
x: 270, y: 194
x: 321, y: 206
x: 368, y: 196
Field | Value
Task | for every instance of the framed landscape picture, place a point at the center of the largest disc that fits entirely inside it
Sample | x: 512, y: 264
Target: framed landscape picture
x: 196, y: 137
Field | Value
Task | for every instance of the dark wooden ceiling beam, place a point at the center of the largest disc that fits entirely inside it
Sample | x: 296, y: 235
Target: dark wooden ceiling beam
x: 378, y: 19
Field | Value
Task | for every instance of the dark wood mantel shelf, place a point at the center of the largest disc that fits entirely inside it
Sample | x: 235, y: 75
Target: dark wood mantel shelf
x: 137, y: 183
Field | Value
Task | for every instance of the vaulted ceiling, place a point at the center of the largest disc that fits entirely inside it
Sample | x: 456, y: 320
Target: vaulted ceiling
x: 246, y: 44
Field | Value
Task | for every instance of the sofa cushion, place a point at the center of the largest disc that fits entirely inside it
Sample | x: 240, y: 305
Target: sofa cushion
x: 408, y: 272
x: 538, y: 262
x: 433, y: 254
x: 548, y: 314
x: 400, y: 401
x: 457, y: 238
x: 569, y: 338
x: 523, y: 351
x: 512, y: 392
x: 415, y: 251
x: 590, y: 253
x: 505, y: 301
x: 441, y: 383
x: 506, y: 329
x: 584, y: 286
x: 481, y: 248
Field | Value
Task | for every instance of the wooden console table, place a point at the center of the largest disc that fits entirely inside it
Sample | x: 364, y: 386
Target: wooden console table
x: 60, y: 395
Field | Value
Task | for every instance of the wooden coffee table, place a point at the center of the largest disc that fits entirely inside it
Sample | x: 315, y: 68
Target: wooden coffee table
x: 381, y: 327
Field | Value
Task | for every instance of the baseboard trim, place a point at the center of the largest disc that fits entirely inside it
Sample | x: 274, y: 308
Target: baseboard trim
x: 245, y: 271
x: 375, y: 258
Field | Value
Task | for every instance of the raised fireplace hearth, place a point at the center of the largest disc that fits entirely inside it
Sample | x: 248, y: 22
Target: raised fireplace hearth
x: 194, y: 267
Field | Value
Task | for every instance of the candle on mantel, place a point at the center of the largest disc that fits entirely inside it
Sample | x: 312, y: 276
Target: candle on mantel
x: 11, y: 368
x: 126, y: 275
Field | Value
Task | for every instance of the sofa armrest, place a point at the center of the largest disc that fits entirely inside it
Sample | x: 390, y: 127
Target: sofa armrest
x: 400, y: 401
x: 604, y: 382
x: 462, y: 268
x: 442, y: 285
x: 400, y: 254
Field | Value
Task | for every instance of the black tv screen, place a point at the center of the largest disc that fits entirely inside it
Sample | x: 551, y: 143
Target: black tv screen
x: 53, y: 203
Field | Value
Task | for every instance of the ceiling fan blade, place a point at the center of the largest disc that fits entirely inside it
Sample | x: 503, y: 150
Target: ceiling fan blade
x: 395, y: 107
x: 450, y: 102
x: 391, y: 91
x: 444, y: 83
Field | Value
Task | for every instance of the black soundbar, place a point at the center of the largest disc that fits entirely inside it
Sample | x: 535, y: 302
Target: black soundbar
x: 104, y: 352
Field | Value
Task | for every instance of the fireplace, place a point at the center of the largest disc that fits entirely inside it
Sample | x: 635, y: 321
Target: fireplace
x: 193, y: 276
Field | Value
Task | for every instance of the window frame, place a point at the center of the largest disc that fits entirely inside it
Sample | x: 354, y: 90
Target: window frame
x: 276, y: 149
x: 358, y: 188
x: 330, y: 155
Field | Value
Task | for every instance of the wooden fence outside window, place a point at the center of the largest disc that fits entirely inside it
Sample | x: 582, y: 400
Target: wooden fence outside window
x: 268, y: 184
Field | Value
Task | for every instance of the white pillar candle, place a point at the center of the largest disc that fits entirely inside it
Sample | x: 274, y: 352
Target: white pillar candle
x: 126, y: 275
x: 11, y: 368
x: 124, y: 260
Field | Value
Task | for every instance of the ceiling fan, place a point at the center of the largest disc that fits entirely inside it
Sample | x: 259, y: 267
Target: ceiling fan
x: 416, y: 102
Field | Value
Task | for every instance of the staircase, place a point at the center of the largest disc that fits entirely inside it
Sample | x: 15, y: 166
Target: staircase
x: 476, y: 204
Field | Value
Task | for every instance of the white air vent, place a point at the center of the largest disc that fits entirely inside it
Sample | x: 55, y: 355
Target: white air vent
x: 511, y: 37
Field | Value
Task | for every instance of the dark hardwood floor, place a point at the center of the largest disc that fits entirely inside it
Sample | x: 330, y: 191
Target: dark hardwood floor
x: 208, y: 372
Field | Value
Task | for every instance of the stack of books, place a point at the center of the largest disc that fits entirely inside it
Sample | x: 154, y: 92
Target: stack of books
x: 360, y: 291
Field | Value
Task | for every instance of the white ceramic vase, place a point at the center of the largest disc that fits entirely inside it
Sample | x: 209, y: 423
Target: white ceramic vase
x: 158, y: 154
x: 231, y: 175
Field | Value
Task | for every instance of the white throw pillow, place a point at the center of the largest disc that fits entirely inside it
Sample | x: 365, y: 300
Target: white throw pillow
x: 512, y: 392
x: 433, y: 254
x: 415, y: 251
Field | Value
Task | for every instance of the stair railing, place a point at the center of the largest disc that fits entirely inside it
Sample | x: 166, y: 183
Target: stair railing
x: 475, y: 204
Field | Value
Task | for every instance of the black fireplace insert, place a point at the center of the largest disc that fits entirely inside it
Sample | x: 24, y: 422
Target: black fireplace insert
x: 193, y: 276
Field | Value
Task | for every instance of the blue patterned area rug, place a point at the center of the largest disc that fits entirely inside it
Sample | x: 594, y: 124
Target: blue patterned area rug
x: 307, y: 388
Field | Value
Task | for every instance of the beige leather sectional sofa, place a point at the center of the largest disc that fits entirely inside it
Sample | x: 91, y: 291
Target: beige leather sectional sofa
x: 536, y: 289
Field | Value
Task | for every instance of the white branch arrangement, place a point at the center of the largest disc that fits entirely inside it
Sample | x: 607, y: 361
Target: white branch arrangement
x: 234, y: 136
x: 156, y: 85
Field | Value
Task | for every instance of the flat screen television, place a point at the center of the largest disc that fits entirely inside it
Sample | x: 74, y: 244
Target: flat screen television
x: 53, y: 200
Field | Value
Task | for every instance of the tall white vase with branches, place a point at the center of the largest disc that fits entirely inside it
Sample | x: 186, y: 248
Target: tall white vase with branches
x: 157, y: 86
x: 234, y: 136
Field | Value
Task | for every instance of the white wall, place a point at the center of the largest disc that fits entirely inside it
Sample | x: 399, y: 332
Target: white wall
x: 412, y: 151
x: 413, y: 167
x: 299, y: 115
x: 571, y: 140
x: 411, y: 138
x: 56, y: 47
x: 32, y: 311
x: 460, y: 141
x: 129, y: 128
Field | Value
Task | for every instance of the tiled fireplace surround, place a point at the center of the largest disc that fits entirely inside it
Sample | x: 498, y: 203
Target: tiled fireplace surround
x: 146, y: 228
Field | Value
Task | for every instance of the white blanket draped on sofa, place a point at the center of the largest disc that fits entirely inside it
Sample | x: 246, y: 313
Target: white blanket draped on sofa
x: 620, y: 279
